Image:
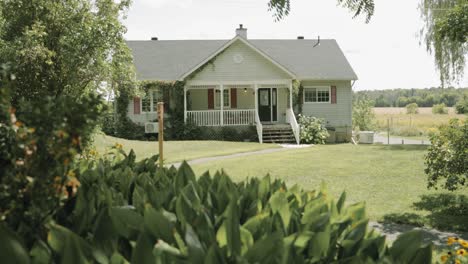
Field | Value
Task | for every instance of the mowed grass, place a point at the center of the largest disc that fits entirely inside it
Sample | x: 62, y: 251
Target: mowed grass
x: 175, y: 151
x: 389, y: 179
x: 418, y: 125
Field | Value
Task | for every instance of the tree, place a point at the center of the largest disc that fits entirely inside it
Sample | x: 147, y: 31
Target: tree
x: 363, y: 115
x: 447, y: 156
x: 281, y: 8
x: 60, y: 47
x: 412, y: 108
x: 445, y: 34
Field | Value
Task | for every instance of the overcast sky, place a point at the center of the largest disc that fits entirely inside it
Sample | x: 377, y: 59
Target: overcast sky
x: 384, y: 53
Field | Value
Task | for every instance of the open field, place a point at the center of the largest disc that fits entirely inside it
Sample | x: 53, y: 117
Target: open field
x: 417, y: 125
x: 390, y: 179
x: 179, y: 150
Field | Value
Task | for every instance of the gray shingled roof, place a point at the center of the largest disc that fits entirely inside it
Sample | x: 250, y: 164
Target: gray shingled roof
x: 169, y: 59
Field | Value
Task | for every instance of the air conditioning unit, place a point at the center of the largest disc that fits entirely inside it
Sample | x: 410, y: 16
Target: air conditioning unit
x: 151, y: 127
x: 366, y: 137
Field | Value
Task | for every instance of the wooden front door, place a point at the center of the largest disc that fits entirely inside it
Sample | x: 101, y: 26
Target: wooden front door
x: 267, y: 104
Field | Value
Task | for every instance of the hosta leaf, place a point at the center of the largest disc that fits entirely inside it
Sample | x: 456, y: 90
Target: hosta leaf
x: 246, y: 240
x: 267, y: 250
x: 158, y: 225
x: 126, y: 220
x: 279, y: 204
x: 195, y: 248
x: 233, y: 227
x: 184, y: 176
x: 264, y: 188
x: 410, y: 248
x: 143, y: 250
x: 11, y: 249
x: 341, y: 201
x: 40, y: 253
x: 70, y: 247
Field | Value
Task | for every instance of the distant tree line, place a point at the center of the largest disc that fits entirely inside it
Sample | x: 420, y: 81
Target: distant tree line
x: 422, y: 97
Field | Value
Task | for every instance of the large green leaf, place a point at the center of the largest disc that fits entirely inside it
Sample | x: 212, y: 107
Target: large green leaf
x: 184, y: 176
x: 11, y: 248
x: 279, y: 204
x: 267, y: 250
x: 195, y: 248
x: 143, y: 251
x: 70, y: 247
x: 233, y: 227
x: 158, y: 225
x: 40, y: 253
x: 410, y: 248
x: 126, y: 220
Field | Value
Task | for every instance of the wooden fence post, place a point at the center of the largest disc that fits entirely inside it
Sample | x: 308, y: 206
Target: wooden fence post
x: 161, y: 133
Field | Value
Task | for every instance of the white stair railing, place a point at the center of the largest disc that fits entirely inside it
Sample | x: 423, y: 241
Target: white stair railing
x: 291, y: 119
x: 259, y: 127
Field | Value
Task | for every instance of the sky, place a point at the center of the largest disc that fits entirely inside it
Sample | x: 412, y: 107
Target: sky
x: 385, y: 53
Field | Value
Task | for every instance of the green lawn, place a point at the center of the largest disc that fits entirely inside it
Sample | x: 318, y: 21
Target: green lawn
x: 179, y: 150
x: 390, y: 179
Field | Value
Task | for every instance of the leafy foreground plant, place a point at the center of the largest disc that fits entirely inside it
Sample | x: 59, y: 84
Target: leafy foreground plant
x: 127, y: 211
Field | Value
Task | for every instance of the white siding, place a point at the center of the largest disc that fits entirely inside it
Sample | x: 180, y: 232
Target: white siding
x: 336, y: 115
x: 253, y: 67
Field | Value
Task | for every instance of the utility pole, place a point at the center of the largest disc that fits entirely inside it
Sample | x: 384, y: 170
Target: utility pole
x: 161, y: 133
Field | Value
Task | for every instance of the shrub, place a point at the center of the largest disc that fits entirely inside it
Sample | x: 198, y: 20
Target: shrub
x: 312, y: 130
x: 146, y: 214
x: 412, y: 108
x: 462, y: 105
x: 439, y: 109
x: 363, y: 115
x: 447, y: 156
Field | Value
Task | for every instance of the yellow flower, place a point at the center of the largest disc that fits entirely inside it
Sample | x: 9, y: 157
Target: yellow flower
x: 451, y: 240
x: 444, y: 258
x: 71, y: 174
x: 118, y: 145
x: 463, y: 243
x: 457, y: 261
x: 462, y: 252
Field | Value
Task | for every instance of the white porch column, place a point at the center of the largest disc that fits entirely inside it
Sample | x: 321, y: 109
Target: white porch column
x: 290, y: 95
x: 185, y: 104
x: 221, y: 99
x: 256, y: 98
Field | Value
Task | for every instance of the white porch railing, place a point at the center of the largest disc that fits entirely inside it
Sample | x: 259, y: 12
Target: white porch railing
x: 291, y: 119
x: 259, y: 126
x: 238, y: 117
x: 205, y: 118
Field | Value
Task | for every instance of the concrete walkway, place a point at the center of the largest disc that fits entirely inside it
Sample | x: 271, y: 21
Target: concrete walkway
x: 392, y: 231
x: 242, y: 154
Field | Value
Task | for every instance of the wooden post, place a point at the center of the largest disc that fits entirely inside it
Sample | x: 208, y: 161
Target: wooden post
x: 161, y: 133
x: 388, y: 131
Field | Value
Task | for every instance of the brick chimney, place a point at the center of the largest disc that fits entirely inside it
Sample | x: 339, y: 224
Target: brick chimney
x: 241, y: 31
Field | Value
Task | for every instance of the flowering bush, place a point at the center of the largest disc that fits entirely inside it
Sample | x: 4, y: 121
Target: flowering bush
x: 457, y: 251
x: 312, y: 130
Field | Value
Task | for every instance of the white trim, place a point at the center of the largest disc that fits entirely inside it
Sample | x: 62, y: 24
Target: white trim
x: 252, y: 82
x: 229, y: 43
x: 317, y: 87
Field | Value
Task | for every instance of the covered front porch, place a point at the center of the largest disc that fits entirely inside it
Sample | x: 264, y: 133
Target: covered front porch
x: 240, y: 104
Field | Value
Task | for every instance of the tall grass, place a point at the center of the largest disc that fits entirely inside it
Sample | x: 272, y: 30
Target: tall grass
x: 401, y: 124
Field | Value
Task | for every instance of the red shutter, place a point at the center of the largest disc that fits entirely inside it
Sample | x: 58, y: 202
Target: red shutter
x: 210, y: 98
x: 333, y: 94
x: 233, y: 98
x: 136, y: 105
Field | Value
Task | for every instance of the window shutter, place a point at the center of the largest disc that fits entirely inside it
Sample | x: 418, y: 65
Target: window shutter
x: 210, y: 98
x: 233, y: 98
x: 136, y: 105
x: 333, y: 94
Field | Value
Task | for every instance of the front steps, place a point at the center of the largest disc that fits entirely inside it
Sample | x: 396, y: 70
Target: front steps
x: 278, y: 133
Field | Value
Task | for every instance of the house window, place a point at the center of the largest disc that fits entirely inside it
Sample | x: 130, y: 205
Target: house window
x: 149, y: 103
x: 226, y: 98
x: 317, y: 95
